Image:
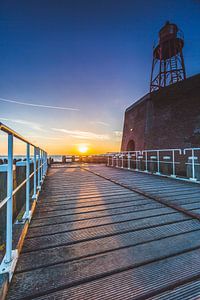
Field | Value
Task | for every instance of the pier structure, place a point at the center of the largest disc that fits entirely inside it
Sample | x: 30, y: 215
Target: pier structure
x: 107, y: 231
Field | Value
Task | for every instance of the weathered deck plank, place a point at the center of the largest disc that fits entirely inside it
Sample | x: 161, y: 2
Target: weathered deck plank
x: 93, y: 239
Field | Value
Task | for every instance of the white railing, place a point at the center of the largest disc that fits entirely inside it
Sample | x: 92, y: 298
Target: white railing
x: 39, y: 171
x: 176, y: 163
x: 193, y: 161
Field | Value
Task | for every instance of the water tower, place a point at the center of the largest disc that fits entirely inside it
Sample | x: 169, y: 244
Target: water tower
x: 168, y: 63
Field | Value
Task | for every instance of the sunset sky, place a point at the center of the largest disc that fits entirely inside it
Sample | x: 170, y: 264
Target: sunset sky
x: 69, y: 69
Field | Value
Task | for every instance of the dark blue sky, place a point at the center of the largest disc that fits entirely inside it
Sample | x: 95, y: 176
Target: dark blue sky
x: 94, y: 56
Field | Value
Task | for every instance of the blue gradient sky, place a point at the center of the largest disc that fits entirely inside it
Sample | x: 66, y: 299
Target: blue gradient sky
x: 93, y: 56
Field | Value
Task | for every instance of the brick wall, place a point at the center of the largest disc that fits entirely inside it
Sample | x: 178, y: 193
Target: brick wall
x: 168, y: 118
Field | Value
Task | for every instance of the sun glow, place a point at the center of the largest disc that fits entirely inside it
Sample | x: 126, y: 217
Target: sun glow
x: 82, y: 148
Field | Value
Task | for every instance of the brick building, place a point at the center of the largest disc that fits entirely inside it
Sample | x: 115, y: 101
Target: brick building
x: 167, y: 118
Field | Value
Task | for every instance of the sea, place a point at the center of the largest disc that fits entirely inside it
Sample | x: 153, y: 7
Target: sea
x: 56, y: 158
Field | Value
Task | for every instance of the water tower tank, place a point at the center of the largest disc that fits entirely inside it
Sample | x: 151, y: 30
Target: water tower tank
x: 168, y: 63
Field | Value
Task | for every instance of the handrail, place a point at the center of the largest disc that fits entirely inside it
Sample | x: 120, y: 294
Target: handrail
x: 145, y: 160
x: 3, y: 202
x: 8, y: 130
x: 40, y: 169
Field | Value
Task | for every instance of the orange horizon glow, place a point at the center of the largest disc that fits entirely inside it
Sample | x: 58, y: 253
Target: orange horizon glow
x: 60, y: 148
x: 75, y: 142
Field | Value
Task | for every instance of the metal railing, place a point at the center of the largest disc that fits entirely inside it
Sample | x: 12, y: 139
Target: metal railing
x: 39, y: 171
x: 176, y: 163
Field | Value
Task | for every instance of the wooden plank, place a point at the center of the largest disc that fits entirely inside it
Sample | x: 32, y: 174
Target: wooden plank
x: 187, y: 291
x: 178, y: 268
x: 127, y: 215
x: 93, y: 239
x: 127, y: 181
x: 84, y: 213
x: 64, y: 197
x: 132, y: 285
x: 94, y: 203
x: 63, y: 235
x: 41, y: 258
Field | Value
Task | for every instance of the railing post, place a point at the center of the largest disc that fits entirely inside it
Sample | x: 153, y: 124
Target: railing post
x: 122, y: 166
x: 112, y: 160
x: 146, y: 161
x: 41, y: 166
x: 43, y: 172
x: 158, y: 163
x: 193, y: 178
x: 136, y: 160
x: 39, y: 172
x: 129, y: 161
x: 28, y: 180
x: 117, y: 161
x: 45, y: 164
x: 173, y: 164
x: 9, y: 216
x: 193, y: 166
x: 108, y: 163
x: 35, y: 174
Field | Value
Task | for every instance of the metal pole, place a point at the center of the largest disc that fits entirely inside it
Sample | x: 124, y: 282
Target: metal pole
x: 122, y: 166
x: 35, y: 174
x: 146, y: 161
x: 28, y: 180
x: 158, y: 163
x: 129, y: 162
x: 45, y: 165
x: 39, y: 186
x: 10, y: 200
x: 173, y: 164
x: 193, y: 167
x: 136, y: 160
x: 41, y: 166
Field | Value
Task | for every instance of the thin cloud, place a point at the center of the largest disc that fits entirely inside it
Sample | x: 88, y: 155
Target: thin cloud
x: 38, y: 105
x: 24, y: 122
x: 83, y: 134
x: 44, y: 137
x: 100, y: 123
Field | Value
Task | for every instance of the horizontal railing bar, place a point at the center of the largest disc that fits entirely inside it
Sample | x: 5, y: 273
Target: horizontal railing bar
x: 192, y: 149
x: 2, y: 203
x: 162, y: 150
x: 8, y: 130
x: 153, y: 160
x: 153, y: 150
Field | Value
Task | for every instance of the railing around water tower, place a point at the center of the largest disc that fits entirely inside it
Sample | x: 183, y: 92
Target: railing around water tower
x: 183, y: 164
x: 39, y: 161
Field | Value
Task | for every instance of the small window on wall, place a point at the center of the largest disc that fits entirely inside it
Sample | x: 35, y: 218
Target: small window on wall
x: 130, y: 146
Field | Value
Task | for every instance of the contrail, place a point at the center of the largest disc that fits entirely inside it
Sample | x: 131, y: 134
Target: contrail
x: 38, y: 105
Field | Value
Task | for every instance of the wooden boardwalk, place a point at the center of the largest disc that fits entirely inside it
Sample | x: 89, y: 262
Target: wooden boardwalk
x: 104, y: 233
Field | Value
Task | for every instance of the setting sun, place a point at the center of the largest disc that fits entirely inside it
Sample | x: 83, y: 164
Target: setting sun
x: 82, y: 148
